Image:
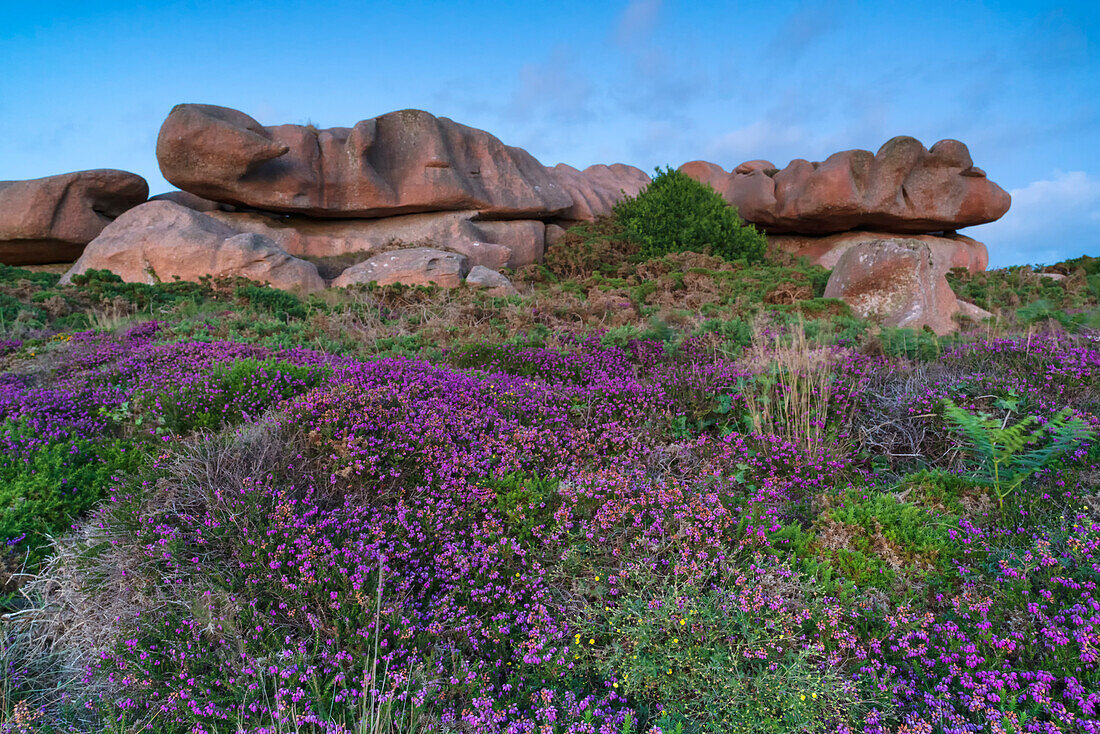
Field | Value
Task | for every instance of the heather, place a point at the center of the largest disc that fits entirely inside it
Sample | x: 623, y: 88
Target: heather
x: 227, y: 509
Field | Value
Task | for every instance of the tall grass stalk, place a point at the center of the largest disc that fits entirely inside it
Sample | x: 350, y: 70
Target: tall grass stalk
x: 791, y: 391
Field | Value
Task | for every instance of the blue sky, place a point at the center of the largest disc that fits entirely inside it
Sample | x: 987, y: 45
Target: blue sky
x: 646, y: 82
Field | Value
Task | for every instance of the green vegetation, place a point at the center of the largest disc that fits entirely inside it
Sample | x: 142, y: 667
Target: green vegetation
x: 676, y: 213
x: 1007, y: 455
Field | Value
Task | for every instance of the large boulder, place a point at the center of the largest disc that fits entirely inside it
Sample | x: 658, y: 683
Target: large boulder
x: 398, y: 163
x: 50, y: 220
x: 903, y: 188
x: 597, y: 188
x: 494, y: 244
x: 414, y: 266
x: 161, y: 241
x: 897, y: 282
x: 949, y: 250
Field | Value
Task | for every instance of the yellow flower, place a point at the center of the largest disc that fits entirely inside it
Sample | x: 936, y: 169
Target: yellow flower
x: 675, y: 640
x: 813, y: 695
x: 670, y: 671
x: 597, y: 578
x: 803, y: 696
x: 591, y: 641
x: 683, y: 621
x: 615, y: 684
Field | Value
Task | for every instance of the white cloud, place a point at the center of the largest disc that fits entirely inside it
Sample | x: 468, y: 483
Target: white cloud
x: 1049, y: 220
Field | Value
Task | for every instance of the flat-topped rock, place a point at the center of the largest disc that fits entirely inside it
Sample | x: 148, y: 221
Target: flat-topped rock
x: 414, y: 266
x: 904, y: 188
x: 596, y: 189
x: 160, y: 241
x: 51, y: 219
x: 399, y: 163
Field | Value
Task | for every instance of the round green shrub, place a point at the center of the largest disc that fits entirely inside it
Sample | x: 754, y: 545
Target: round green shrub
x: 676, y: 213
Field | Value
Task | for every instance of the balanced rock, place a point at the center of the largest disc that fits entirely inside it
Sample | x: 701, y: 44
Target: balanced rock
x: 495, y: 244
x: 597, y: 188
x: 398, y: 163
x: 50, y: 220
x: 160, y: 241
x: 414, y: 266
x: 903, y: 188
x: 897, y: 282
x: 949, y: 250
x: 493, y: 282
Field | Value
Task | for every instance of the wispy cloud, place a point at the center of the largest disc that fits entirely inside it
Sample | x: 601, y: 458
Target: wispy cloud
x: 637, y: 21
x: 1050, y: 219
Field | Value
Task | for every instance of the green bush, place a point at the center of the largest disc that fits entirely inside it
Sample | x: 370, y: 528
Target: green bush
x: 676, y: 213
x: 42, y: 493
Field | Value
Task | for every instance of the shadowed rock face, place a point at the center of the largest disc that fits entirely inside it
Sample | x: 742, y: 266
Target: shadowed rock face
x: 597, y: 188
x: 949, y: 251
x: 495, y: 244
x: 904, y: 188
x: 50, y: 220
x: 398, y: 163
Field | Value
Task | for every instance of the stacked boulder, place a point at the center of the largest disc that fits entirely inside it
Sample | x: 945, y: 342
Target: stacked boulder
x: 415, y: 198
x: 50, y: 220
x: 884, y: 222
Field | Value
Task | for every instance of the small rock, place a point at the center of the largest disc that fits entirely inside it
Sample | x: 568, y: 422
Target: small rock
x: 494, y: 282
x: 973, y: 312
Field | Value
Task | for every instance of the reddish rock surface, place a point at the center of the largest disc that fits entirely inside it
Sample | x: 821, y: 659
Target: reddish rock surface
x: 161, y: 241
x: 494, y: 244
x: 709, y: 173
x: 950, y: 251
x: 903, y: 188
x: 50, y: 220
x: 897, y: 282
x: 414, y: 266
x: 398, y: 163
x: 597, y: 188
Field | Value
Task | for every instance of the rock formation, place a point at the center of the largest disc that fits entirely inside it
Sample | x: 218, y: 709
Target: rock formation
x: 903, y: 188
x: 897, y: 282
x: 495, y: 244
x: 493, y: 282
x: 951, y: 250
x: 856, y: 201
x: 160, y: 241
x: 597, y: 188
x: 414, y: 266
x: 50, y: 220
x: 398, y: 163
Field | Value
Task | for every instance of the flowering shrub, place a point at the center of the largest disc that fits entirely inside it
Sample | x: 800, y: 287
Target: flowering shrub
x: 585, y: 539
